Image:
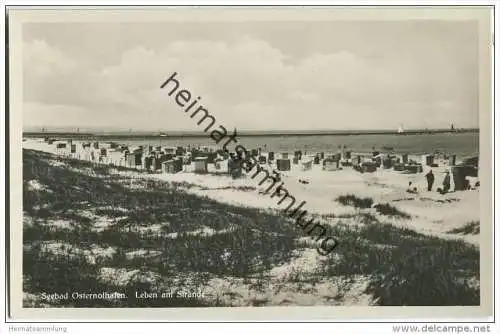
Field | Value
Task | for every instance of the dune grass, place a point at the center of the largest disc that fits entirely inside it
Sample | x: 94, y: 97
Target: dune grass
x: 366, y: 203
x: 188, y: 239
x: 357, y: 202
x: 471, y: 227
x: 389, y: 210
x: 406, y: 267
x: 255, y: 240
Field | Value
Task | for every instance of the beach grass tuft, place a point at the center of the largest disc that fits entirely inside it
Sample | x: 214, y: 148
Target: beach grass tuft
x: 471, y: 227
x: 357, y: 202
x: 389, y: 210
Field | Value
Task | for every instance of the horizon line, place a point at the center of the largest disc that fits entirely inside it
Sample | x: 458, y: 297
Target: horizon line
x: 101, y: 130
x: 180, y: 133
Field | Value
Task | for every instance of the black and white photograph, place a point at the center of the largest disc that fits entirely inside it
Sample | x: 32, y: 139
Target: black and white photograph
x: 188, y: 162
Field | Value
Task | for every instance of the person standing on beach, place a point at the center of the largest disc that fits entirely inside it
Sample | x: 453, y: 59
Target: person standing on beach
x: 430, y: 180
x: 446, y: 183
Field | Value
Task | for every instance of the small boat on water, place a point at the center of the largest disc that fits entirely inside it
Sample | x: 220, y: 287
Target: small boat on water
x: 163, y: 134
x: 401, y: 129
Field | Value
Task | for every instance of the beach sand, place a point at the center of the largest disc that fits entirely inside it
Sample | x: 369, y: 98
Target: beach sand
x: 430, y: 214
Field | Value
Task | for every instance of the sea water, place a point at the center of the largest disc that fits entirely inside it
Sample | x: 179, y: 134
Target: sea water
x: 460, y: 144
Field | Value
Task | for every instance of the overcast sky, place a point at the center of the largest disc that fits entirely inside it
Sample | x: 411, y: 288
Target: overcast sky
x: 259, y: 76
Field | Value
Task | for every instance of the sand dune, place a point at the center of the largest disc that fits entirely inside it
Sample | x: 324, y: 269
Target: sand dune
x: 232, y: 241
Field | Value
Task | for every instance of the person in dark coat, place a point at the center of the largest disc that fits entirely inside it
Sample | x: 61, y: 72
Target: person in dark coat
x: 446, y: 184
x: 430, y: 180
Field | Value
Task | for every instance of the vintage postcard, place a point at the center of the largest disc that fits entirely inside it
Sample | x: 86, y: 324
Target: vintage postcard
x: 254, y: 163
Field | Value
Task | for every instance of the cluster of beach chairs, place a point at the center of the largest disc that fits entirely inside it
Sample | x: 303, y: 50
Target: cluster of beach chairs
x: 197, y: 159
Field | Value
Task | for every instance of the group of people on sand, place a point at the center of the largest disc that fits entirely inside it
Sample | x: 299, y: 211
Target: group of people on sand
x: 430, y: 182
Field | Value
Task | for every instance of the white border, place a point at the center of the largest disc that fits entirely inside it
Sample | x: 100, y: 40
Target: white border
x: 309, y: 327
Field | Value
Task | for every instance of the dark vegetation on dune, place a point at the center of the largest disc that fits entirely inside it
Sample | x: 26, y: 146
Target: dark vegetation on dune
x: 255, y: 241
x: 389, y: 210
x: 404, y: 267
x: 357, y: 202
x: 366, y: 203
x: 471, y: 227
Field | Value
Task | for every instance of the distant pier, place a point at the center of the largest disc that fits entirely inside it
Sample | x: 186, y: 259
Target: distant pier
x: 177, y: 135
